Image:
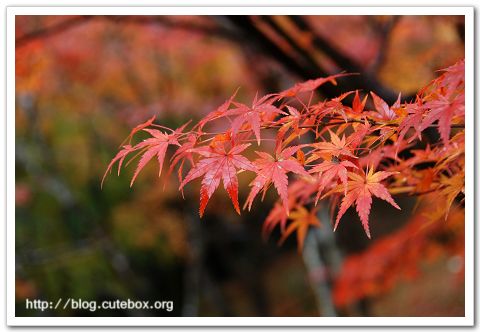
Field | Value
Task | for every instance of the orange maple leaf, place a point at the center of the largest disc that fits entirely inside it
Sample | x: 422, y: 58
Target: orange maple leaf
x: 302, y: 220
x: 360, y: 191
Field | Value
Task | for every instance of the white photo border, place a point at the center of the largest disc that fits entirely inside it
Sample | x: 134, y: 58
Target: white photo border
x: 468, y: 320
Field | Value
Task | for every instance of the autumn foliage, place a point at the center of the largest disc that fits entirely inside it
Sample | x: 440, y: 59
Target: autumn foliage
x: 345, y: 151
x: 397, y: 256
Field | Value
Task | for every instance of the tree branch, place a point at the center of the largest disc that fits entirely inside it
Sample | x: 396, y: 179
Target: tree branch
x: 168, y: 23
x: 51, y: 30
x: 246, y: 27
x: 323, y: 261
x: 322, y: 44
x: 385, y: 33
x: 68, y: 24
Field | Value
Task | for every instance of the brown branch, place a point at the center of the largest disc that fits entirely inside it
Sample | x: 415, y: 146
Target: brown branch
x: 366, y: 81
x: 384, y: 36
x: 68, y: 24
x: 168, y: 23
x: 250, y: 31
x: 51, y: 30
x: 318, y: 273
x: 307, y: 57
x: 324, y: 46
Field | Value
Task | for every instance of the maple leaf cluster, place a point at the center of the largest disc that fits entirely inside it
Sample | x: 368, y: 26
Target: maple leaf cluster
x: 397, y: 256
x: 310, y: 150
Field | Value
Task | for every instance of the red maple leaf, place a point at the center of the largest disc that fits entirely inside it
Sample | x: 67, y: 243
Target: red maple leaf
x: 385, y: 112
x: 309, y: 85
x: 336, y: 148
x: 150, y: 147
x: 253, y: 115
x: 332, y: 107
x: 217, y: 165
x: 360, y: 191
x: 218, y: 113
x: 292, y: 120
x: 120, y: 157
x: 453, y: 78
x: 360, y: 131
x: 357, y: 104
x: 139, y: 127
x: 183, y: 153
x: 443, y: 110
x: 423, y: 156
x: 413, y: 119
x: 154, y: 146
x: 299, y: 192
x: 331, y: 169
x: 274, y: 170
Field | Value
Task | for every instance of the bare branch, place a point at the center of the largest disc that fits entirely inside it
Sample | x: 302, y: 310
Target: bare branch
x: 51, y: 30
x: 385, y: 32
x: 322, y: 44
x: 68, y: 24
x: 210, y: 30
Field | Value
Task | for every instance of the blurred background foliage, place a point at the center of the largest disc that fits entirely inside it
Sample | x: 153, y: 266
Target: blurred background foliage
x: 83, y: 82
